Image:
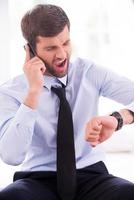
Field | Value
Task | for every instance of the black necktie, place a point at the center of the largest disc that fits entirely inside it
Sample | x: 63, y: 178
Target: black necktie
x: 66, y: 168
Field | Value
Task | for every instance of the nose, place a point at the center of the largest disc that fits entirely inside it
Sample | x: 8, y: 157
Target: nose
x: 61, y: 53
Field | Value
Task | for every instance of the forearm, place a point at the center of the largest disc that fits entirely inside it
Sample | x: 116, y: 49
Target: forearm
x: 16, y: 136
x: 127, y: 115
x: 32, y: 99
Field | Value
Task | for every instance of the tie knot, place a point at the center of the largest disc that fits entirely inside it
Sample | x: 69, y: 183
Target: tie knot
x: 60, y: 92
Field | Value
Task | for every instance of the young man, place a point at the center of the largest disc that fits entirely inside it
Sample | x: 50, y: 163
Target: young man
x: 29, y: 112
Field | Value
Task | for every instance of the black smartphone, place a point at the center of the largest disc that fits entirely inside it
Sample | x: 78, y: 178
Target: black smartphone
x: 32, y: 52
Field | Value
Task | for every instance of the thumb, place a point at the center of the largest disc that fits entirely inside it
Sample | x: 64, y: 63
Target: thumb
x: 98, y: 125
x: 27, y: 58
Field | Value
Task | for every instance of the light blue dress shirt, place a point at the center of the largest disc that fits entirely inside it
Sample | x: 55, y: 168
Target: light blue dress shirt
x: 28, y: 136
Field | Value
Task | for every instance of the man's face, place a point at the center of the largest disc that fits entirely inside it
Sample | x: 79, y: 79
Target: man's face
x: 55, y: 52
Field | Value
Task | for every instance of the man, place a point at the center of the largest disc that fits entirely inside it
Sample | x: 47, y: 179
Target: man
x: 29, y: 115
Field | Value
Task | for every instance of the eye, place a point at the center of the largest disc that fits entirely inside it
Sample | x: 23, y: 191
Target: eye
x: 50, y: 48
x: 67, y: 43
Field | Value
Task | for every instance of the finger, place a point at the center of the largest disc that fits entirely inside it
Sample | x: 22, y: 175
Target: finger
x: 43, y: 69
x: 27, y: 58
x: 97, y: 127
x: 91, y: 135
x: 91, y: 131
x: 94, y: 144
x: 36, y: 61
x: 94, y: 132
x: 41, y: 66
x: 93, y: 138
x: 38, y: 65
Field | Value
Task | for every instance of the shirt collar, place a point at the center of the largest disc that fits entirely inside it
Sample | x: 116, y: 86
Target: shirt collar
x: 50, y: 81
x: 63, y: 80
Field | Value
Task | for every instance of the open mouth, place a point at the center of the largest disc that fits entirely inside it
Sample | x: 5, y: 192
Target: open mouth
x: 61, y: 64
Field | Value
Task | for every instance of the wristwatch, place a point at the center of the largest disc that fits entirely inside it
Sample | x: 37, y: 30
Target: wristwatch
x: 119, y: 118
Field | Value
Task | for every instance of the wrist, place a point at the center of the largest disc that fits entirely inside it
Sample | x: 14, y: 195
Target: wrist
x: 128, y: 116
x: 119, y: 119
x: 32, y: 99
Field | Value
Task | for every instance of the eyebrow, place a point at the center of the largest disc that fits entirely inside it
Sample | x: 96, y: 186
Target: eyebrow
x: 53, y: 46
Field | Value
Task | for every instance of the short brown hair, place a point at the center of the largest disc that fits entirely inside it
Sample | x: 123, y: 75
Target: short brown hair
x: 44, y: 20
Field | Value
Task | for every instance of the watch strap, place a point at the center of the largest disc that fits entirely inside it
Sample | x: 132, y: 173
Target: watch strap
x: 119, y: 118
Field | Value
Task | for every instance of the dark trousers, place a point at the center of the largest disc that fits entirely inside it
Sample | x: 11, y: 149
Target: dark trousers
x: 93, y: 183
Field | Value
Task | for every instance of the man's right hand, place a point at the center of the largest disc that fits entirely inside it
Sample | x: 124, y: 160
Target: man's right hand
x: 34, y: 70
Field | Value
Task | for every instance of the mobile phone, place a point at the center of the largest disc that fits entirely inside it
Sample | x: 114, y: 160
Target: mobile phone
x: 32, y: 52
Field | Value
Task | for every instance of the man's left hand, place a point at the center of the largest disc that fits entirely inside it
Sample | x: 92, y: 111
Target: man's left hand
x: 100, y: 128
